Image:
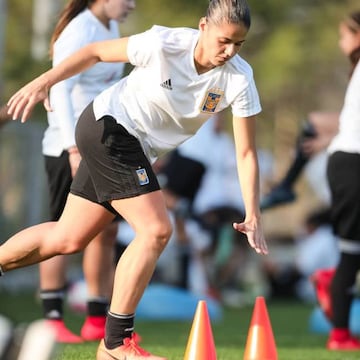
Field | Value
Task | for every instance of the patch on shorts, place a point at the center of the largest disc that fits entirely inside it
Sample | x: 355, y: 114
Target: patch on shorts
x: 142, y: 176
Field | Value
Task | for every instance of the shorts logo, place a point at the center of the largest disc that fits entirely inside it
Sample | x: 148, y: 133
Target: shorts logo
x: 142, y: 176
x: 211, y: 100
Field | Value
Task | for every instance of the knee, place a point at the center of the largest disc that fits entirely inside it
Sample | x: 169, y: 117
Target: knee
x: 70, y: 246
x: 160, y: 234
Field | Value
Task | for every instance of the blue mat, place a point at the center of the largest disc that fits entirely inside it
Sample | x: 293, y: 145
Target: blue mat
x: 319, y: 324
x: 163, y: 302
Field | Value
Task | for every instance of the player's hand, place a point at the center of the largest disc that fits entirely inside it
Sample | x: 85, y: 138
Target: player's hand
x: 23, y: 101
x: 253, y: 230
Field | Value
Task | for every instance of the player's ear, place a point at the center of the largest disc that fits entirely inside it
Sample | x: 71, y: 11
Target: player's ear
x: 202, y: 23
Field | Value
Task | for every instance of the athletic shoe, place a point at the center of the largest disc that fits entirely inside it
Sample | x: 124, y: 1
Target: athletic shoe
x: 93, y: 328
x: 62, y: 333
x: 130, y: 350
x: 279, y: 195
x: 321, y: 280
x: 341, y: 340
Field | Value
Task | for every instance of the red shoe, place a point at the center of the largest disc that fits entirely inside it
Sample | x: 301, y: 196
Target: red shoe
x: 341, y: 340
x: 321, y: 280
x: 63, y: 334
x: 93, y: 328
x: 130, y: 350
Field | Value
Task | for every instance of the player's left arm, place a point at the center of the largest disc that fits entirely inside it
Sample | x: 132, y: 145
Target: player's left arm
x: 23, y: 101
x: 248, y: 172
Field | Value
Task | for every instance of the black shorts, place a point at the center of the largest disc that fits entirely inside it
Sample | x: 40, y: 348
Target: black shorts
x: 59, y: 180
x: 113, y: 164
x: 343, y: 173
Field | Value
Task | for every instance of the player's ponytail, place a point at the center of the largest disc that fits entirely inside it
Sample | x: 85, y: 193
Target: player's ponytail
x: 72, y: 9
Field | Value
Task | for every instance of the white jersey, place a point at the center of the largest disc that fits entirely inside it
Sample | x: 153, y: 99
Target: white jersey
x: 348, y: 138
x: 69, y: 98
x: 164, y: 101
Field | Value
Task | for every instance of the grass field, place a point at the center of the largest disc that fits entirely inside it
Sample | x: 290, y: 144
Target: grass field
x: 289, y: 322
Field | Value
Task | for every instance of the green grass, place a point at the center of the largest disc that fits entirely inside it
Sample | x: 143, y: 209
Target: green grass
x: 289, y: 323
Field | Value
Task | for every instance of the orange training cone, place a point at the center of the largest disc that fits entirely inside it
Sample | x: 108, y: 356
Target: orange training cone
x: 260, y: 343
x: 201, y: 344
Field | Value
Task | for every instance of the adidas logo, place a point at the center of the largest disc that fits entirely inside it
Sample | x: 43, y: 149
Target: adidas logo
x: 167, y: 84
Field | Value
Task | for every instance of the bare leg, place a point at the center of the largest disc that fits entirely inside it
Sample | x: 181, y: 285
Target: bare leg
x: 148, y: 216
x: 99, y: 270
x: 98, y: 262
x: 52, y: 273
x: 79, y: 223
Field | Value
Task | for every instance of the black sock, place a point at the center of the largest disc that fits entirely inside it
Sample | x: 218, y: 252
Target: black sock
x: 118, y: 327
x: 53, y: 303
x: 97, y: 306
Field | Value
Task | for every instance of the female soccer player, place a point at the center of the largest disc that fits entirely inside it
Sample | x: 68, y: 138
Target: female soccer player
x: 181, y: 77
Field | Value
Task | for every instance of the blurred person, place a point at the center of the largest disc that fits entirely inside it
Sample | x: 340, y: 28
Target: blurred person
x: 182, y: 77
x: 81, y: 22
x: 344, y: 177
x: 315, y: 247
x: 315, y: 135
x: 217, y: 203
x: 180, y: 178
x: 340, y: 137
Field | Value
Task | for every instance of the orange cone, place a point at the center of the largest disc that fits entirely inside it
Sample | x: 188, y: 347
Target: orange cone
x: 260, y: 343
x: 201, y: 344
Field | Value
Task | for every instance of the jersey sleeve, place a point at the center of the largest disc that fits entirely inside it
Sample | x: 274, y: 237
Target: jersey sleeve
x: 142, y: 46
x: 247, y: 103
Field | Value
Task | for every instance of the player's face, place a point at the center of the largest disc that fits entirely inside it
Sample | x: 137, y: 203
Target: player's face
x: 348, y: 40
x: 222, y: 42
x: 119, y: 9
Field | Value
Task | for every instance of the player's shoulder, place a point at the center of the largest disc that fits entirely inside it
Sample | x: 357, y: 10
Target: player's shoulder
x: 238, y: 65
x: 174, y: 37
x: 81, y: 26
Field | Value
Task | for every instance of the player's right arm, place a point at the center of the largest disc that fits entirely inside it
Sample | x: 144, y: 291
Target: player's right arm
x: 24, y: 100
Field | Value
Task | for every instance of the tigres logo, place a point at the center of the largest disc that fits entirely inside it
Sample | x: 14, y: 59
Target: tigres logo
x: 142, y: 176
x: 211, y: 100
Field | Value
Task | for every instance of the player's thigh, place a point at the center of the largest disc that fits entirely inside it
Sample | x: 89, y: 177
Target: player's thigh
x: 82, y: 220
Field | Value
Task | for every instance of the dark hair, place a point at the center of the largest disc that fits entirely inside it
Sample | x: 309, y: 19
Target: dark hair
x: 72, y: 9
x: 231, y: 11
x: 353, y: 24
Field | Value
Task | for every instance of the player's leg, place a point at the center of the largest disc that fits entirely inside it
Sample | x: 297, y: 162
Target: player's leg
x: 344, y: 176
x: 52, y: 272
x: 99, y: 270
x: 79, y: 223
x: 148, y: 216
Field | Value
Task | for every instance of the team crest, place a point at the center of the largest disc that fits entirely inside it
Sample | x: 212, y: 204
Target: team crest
x: 211, y: 100
x: 142, y: 176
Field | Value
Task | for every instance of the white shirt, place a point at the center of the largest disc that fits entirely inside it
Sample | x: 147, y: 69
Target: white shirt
x: 348, y: 137
x: 164, y: 100
x: 69, y: 98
